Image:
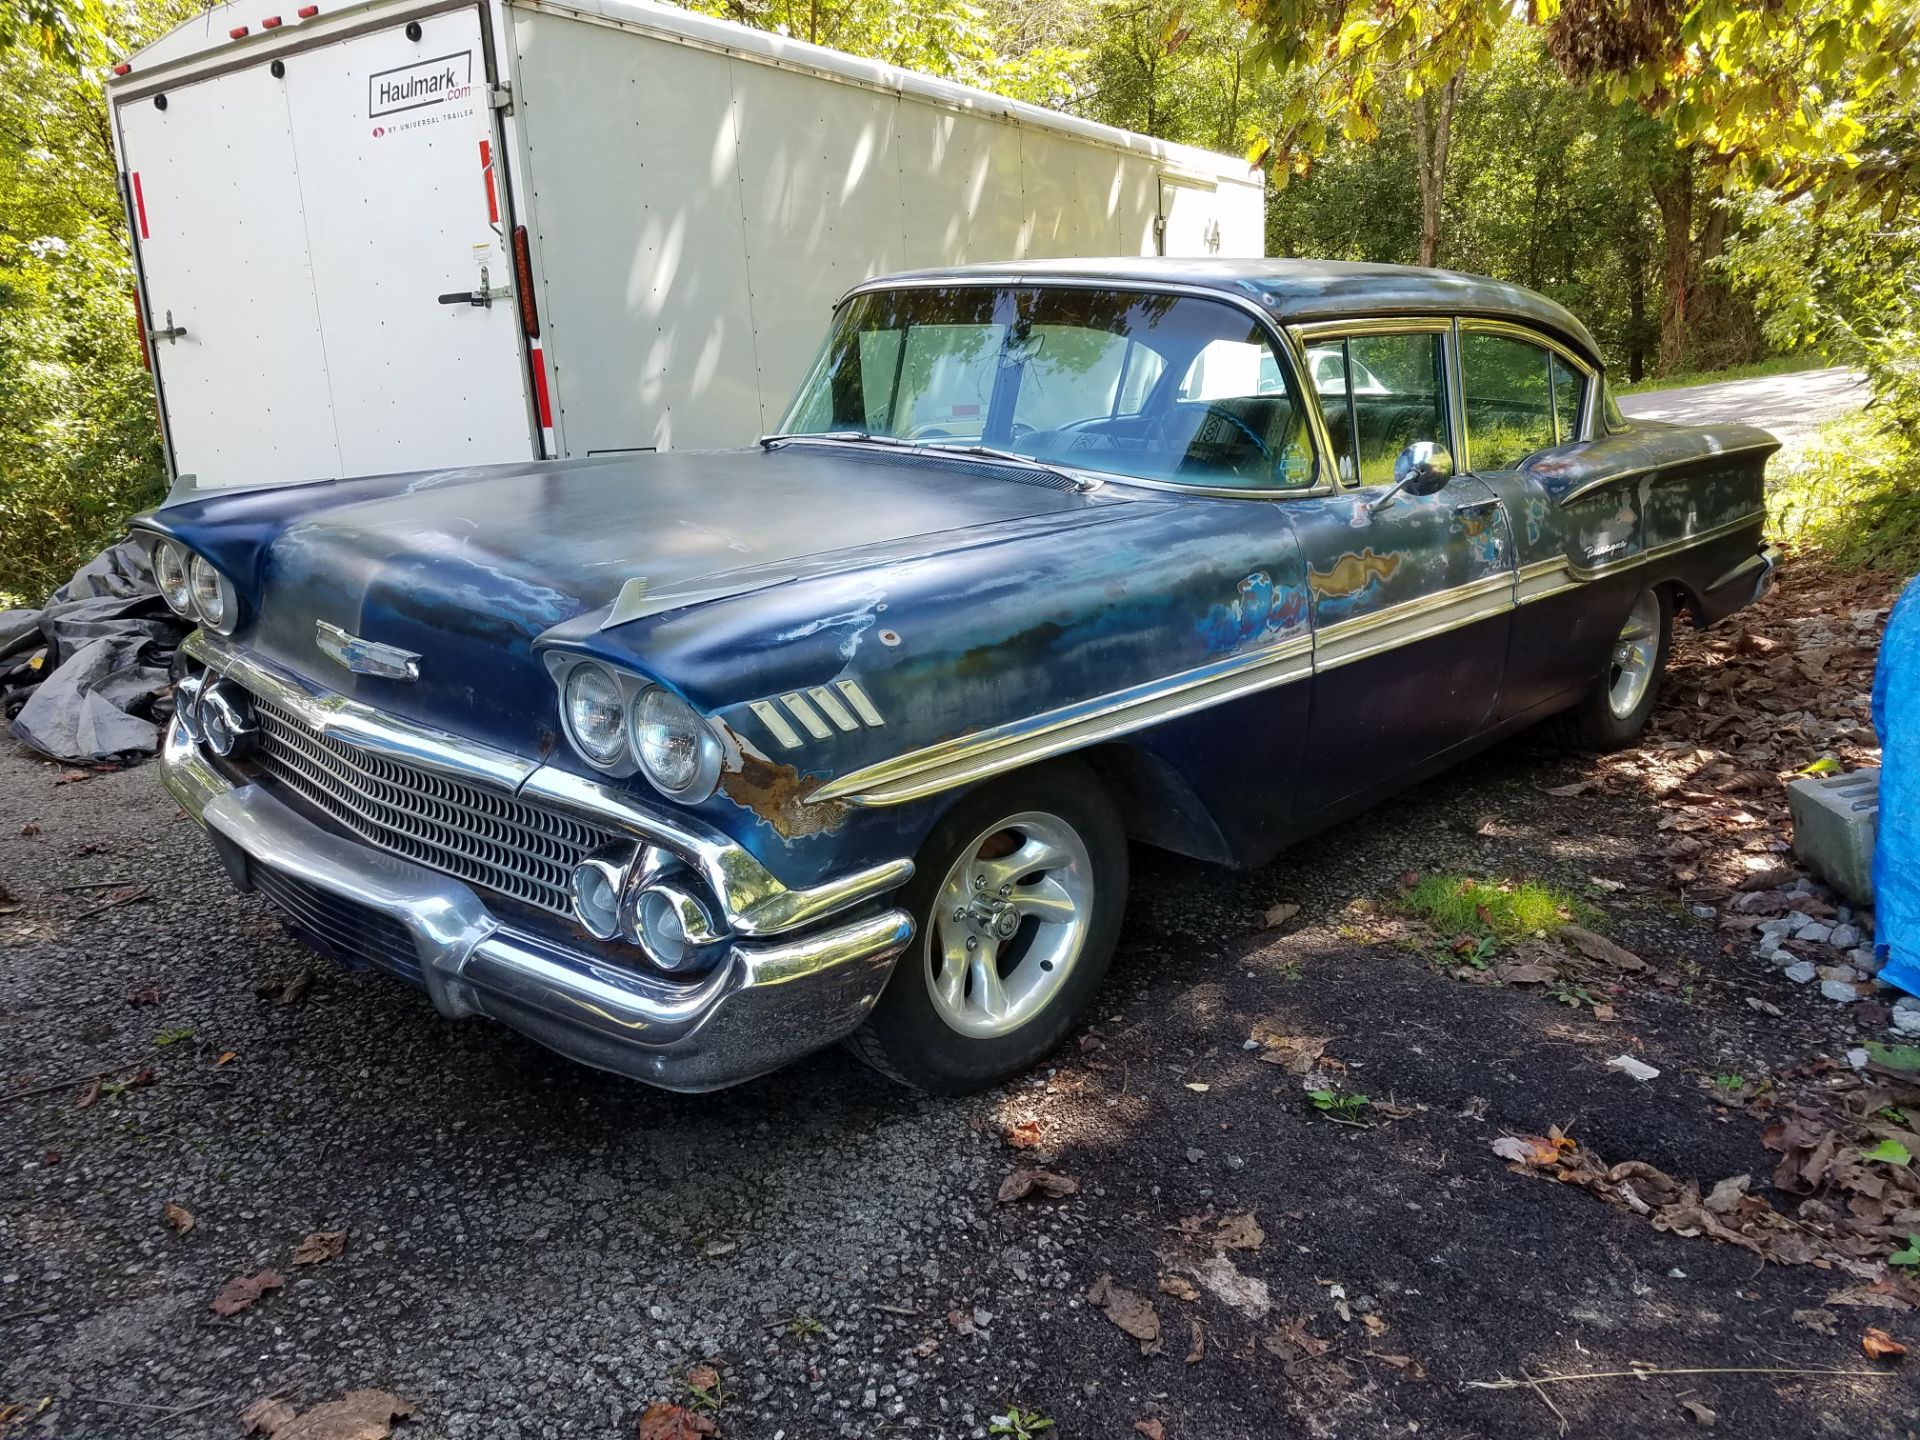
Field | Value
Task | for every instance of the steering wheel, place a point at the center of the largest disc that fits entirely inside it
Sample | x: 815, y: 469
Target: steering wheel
x: 1266, y: 450
x: 1199, y: 451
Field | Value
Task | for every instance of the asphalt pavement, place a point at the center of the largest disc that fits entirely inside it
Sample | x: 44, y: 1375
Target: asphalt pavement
x: 1792, y: 406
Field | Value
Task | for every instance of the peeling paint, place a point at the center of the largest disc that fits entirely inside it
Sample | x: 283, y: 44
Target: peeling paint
x: 1351, y: 574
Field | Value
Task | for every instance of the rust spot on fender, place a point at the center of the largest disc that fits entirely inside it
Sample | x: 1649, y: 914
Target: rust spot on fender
x: 778, y: 795
x: 1352, y: 573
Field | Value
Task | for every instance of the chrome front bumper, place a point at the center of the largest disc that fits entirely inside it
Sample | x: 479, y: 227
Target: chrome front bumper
x: 769, y: 1001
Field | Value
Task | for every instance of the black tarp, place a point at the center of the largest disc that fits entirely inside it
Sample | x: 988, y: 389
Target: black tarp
x: 85, y: 677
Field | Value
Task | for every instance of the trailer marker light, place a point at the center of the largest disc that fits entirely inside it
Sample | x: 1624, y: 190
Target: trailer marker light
x: 272, y: 22
x: 307, y: 12
x: 238, y: 32
x: 523, y: 282
x: 122, y: 68
x: 140, y: 205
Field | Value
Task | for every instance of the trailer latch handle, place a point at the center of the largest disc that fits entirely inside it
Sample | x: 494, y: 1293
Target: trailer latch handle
x: 170, y: 332
x: 481, y: 299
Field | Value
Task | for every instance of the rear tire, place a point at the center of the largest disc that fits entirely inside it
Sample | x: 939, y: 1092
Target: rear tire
x: 1016, y: 898
x: 1613, y: 714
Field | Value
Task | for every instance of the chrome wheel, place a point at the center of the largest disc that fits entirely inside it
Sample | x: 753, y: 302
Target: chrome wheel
x: 1010, y: 920
x: 1635, y: 655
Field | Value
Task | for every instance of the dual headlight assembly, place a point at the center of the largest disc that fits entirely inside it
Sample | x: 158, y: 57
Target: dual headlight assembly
x: 622, y: 724
x: 193, y: 589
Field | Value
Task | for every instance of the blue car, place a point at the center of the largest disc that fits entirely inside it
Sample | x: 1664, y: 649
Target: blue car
x: 688, y: 764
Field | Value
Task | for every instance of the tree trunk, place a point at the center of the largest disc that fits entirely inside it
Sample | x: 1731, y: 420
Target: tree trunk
x: 1673, y: 195
x: 1634, y: 256
x: 1432, y: 134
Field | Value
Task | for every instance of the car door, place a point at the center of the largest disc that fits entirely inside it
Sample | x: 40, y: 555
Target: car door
x: 1522, y: 395
x: 1411, y: 594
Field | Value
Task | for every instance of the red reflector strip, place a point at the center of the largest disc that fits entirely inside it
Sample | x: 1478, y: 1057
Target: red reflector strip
x: 543, y: 405
x: 486, y: 168
x: 272, y: 22
x: 307, y: 12
x: 139, y: 205
x: 523, y: 283
x: 238, y: 32
x: 122, y: 68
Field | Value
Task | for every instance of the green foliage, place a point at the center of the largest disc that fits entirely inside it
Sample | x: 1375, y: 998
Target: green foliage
x: 1334, y: 1104
x: 1504, y: 912
x: 1754, y: 370
x: 1910, y: 1255
x: 79, y: 439
x: 1020, y: 1424
x: 1850, y: 495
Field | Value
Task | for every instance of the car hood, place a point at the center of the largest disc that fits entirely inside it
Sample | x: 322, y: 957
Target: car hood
x: 468, y: 569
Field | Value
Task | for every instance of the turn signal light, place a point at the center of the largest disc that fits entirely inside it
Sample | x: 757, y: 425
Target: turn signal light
x: 523, y: 283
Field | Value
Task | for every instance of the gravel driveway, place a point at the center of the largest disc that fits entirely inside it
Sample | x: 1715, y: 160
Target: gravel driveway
x: 534, y: 1249
x: 1792, y: 406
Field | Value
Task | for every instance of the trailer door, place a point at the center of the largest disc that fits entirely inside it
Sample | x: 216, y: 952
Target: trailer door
x: 407, y: 214
x: 308, y: 243
x: 1189, y: 224
x: 234, y: 322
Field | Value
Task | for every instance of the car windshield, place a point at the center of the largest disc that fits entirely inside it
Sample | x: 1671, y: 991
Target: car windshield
x: 1127, y: 383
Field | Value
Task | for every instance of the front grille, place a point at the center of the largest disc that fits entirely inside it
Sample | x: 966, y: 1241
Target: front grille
x: 493, y: 841
x: 347, y: 933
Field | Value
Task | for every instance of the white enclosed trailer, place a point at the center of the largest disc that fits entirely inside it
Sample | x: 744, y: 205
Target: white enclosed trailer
x: 396, y: 235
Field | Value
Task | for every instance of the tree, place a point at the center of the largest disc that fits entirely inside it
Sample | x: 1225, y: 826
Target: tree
x: 67, y: 32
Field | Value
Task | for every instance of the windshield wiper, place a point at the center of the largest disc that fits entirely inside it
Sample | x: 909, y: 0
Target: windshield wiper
x: 926, y: 447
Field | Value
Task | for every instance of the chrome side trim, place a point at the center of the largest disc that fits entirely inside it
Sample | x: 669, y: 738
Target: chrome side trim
x: 1542, y: 579
x: 798, y: 707
x: 857, y: 698
x: 1620, y: 476
x: 1007, y: 747
x: 1413, y: 620
x: 776, y: 723
x: 1670, y: 547
x: 755, y: 902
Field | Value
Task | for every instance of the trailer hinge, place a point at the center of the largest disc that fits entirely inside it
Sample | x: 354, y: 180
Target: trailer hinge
x: 500, y: 96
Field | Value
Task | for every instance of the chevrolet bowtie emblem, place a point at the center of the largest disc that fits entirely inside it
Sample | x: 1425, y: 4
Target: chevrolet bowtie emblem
x: 365, y: 657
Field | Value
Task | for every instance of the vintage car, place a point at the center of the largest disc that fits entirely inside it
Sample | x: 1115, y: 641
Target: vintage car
x: 687, y: 764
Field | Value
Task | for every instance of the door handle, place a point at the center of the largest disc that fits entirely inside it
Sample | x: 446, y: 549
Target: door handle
x: 1476, y: 507
x: 481, y: 299
x: 170, y: 332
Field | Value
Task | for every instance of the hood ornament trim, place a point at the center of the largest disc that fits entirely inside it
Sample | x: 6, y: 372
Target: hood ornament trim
x: 365, y: 657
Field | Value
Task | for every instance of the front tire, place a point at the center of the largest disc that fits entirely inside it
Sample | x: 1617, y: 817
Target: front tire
x: 1016, y: 898
x: 1614, y: 713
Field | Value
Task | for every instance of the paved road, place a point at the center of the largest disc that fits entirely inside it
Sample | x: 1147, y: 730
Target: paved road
x: 1791, y: 406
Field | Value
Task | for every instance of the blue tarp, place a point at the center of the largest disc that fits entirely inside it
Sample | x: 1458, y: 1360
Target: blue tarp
x: 1896, y: 855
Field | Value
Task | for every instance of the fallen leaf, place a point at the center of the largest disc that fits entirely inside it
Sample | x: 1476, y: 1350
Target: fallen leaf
x: 72, y: 777
x: 1197, y: 1346
x: 1821, y: 1322
x: 357, y: 1415
x: 662, y: 1421
x: 1279, y: 915
x: 286, y: 989
x: 320, y: 1246
x: 1699, y: 1414
x: 1023, y: 1134
x: 1765, y: 1007
x: 1527, y: 1149
x: 1131, y: 1312
x: 1409, y: 1367
x: 1027, y: 1179
x: 179, y: 1219
x: 1296, y: 1335
x: 1524, y: 972
x: 241, y: 1291
x: 1567, y: 792
x: 704, y: 1379
x: 1879, y: 1345
x: 1239, y: 1232
x: 1152, y: 1429
x: 226, y: 1055
x: 265, y: 1415
x: 1179, y: 1287
x: 1726, y: 1196
x: 1598, y: 947
x: 1298, y: 1053
x: 29, y: 830
x: 927, y: 1346
x: 90, y: 1096
x: 1375, y: 1325
x: 144, y: 995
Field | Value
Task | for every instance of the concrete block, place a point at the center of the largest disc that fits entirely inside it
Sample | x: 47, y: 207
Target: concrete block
x: 1835, y: 820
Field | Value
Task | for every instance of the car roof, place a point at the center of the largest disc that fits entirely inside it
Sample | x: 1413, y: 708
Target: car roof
x: 1291, y: 291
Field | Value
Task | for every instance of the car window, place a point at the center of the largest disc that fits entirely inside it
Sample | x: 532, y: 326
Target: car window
x: 1381, y: 393
x: 1132, y: 383
x: 1569, y: 399
x: 1509, y: 399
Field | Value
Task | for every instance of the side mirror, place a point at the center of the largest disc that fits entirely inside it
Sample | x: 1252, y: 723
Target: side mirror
x: 1423, y: 468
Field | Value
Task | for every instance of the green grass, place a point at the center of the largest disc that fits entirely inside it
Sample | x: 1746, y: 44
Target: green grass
x: 1849, y: 494
x: 1504, y: 911
x: 1772, y: 365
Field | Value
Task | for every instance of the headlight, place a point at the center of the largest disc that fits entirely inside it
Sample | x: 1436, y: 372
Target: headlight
x: 676, y: 749
x: 211, y: 601
x: 170, y: 574
x: 594, y: 715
